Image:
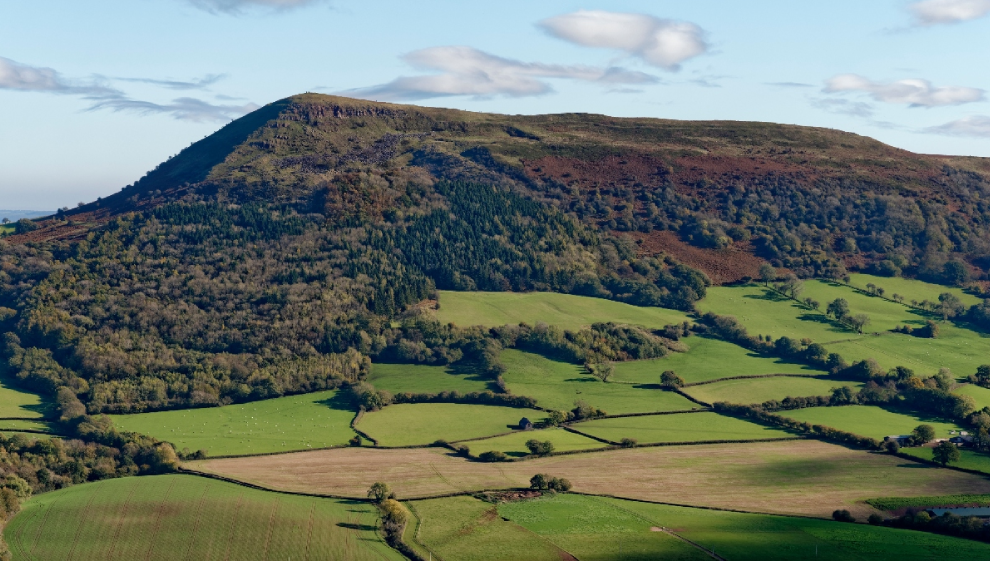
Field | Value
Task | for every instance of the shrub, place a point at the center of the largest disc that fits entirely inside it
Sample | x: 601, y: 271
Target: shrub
x: 670, y: 379
x: 539, y: 448
x: 875, y: 519
x: 493, y: 456
x: 843, y: 516
x: 628, y: 442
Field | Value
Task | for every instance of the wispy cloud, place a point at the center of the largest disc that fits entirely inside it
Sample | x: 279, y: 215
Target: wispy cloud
x: 790, y: 84
x: 844, y: 107
x: 468, y: 71
x: 935, y: 12
x: 25, y: 78
x: 975, y: 125
x: 659, y: 42
x: 239, y: 6
x: 200, y: 84
x: 914, y: 92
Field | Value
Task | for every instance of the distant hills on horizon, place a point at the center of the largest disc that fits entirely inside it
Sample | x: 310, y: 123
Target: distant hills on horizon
x: 15, y: 215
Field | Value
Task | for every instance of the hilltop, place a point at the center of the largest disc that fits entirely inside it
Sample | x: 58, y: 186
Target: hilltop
x: 722, y: 196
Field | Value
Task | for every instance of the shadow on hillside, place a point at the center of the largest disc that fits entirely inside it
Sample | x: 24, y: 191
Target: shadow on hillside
x: 768, y: 295
x: 472, y: 373
x: 339, y: 402
x: 350, y: 526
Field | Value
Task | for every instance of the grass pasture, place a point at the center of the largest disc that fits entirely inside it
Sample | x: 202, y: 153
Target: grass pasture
x: 515, y: 444
x: 969, y: 459
x: 558, y: 385
x: 596, y: 529
x: 884, y: 314
x: 465, y: 528
x: 684, y: 427
x: 911, y: 289
x: 17, y: 404
x: 14, y: 425
x: 412, y: 424
x: 283, y: 424
x: 758, y: 537
x: 564, y: 310
x: 423, y: 378
x: 981, y: 396
x: 758, y: 390
x: 804, y: 477
x: 187, y: 517
x: 869, y: 420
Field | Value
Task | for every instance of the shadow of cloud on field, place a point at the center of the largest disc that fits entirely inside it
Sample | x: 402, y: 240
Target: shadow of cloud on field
x: 790, y: 471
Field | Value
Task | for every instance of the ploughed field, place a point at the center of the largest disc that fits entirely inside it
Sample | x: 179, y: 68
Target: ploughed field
x: 656, y: 447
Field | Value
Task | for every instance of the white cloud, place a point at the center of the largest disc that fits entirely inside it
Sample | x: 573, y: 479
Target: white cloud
x: 914, y: 92
x: 200, y: 84
x: 237, y: 6
x: 934, y: 12
x: 844, y: 107
x: 659, y: 42
x: 183, y: 108
x: 17, y: 76
x: 976, y: 125
x: 468, y: 71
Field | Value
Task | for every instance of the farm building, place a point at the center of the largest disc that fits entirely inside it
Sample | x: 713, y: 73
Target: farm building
x: 900, y: 439
x: 525, y: 424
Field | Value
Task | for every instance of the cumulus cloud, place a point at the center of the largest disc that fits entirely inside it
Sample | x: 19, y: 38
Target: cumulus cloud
x: 238, y: 6
x: 914, y: 92
x: 660, y: 42
x: 468, y: 71
x: 934, y: 12
x: 975, y: 125
x: 183, y: 108
x: 22, y: 77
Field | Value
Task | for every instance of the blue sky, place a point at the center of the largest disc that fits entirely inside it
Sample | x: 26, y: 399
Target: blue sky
x: 93, y: 94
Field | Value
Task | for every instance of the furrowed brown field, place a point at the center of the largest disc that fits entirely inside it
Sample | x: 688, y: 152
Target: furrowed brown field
x: 793, y: 477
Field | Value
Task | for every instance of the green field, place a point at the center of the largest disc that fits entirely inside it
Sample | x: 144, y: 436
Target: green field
x: 558, y: 385
x: 894, y: 503
x: 283, y: 424
x: 515, y: 444
x: 758, y: 390
x: 685, y: 427
x: 868, y: 420
x: 707, y: 359
x: 413, y: 424
x: 186, y: 517
x: 764, y: 312
x: 20, y: 424
x: 911, y: 289
x: 981, y: 396
x: 593, y: 529
x: 6, y: 229
x: 969, y: 459
x: 19, y: 404
x: 421, y: 378
x: 569, y: 312
x: 759, y: 537
x: 467, y: 529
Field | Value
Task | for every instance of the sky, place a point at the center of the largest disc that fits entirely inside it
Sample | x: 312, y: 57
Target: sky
x: 94, y: 94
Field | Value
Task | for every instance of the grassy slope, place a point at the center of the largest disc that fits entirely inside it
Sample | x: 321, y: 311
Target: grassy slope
x: 569, y: 312
x: 465, y: 528
x: 283, y: 424
x: 981, y: 396
x: 707, y: 359
x: 15, y: 403
x: 557, y: 385
x: 424, y: 423
x: 868, y: 420
x: 421, y: 378
x: 19, y: 424
x: 805, y: 477
x: 515, y: 444
x: 186, y: 517
x: 593, y: 529
x: 758, y: 390
x: 910, y: 289
x: 687, y: 427
x: 766, y: 313
x: 969, y: 459
x: 756, y: 537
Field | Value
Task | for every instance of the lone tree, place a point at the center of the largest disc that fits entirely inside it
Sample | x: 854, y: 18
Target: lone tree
x: 859, y: 321
x: 602, y: 370
x: 379, y: 492
x: 945, y: 452
x: 923, y: 434
x: 539, y: 448
x: 767, y: 274
x: 843, y: 516
x: 838, y: 308
x: 670, y: 379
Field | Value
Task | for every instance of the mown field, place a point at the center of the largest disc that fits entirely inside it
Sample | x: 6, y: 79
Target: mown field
x: 422, y: 378
x: 187, y: 517
x: 869, y: 420
x: 683, y: 427
x: 569, y: 312
x: 559, y: 385
x: 759, y: 390
x: 467, y: 529
x: 911, y: 289
x: 804, y: 477
x: 298, y: 422
x: 707, y: 359
x: 425, y: 423
x: 15, y: 403
x: 515, y: 444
